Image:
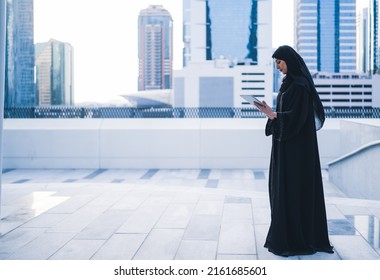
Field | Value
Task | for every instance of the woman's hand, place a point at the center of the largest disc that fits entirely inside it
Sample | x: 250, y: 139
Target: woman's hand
x: 267, y: 110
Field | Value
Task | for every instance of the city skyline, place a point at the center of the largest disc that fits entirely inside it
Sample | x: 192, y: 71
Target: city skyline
x: 115, y: 35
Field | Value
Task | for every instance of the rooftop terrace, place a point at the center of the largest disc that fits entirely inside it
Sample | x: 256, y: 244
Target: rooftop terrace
x: 171, y: 189
x: 140, y: 214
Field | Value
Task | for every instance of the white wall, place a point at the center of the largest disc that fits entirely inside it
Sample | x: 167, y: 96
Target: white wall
x: 219, y: 68
x: 146, y: 143
x: 356, y: 173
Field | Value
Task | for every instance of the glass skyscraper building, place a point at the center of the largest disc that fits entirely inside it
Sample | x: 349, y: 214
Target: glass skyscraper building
x: 19, y: 73
x: 54, y: 73
x: 325, y: 34
x: 368, y: 38
x: 155, y: 48
x: 231, y: 30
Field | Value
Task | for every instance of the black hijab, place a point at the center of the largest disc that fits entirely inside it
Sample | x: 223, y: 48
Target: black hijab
x: 298, y: 69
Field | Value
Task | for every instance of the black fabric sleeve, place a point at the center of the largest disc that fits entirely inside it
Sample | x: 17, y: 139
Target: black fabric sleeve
x: 289, y: 122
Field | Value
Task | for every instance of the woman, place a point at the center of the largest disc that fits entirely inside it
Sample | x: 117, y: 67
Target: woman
x: 298, y: 216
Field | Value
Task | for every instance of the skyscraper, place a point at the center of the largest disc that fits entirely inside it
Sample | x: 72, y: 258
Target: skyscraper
x: 227, y: 53
x: 368, y: 38
x: 237, y: 30
x: 155, y: 49
x: 19, y: 73
x: 325, y: 34
x: 54, y: 73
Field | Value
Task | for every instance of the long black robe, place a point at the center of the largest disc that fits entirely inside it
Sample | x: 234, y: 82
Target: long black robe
x: 298, y: 216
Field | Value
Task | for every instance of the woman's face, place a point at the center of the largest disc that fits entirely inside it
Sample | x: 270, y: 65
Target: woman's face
x: 281, y: 66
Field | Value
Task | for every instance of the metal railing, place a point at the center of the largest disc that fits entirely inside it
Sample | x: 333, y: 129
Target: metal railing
x: 62, y: 112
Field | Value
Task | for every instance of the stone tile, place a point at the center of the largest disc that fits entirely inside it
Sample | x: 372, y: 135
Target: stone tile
x: 261, y: 215
x: 7, y: 210
x: 129, y: 175
x: 109, y: 198
x: 42, y: 247
x: 259, y: 175
x: 130, y: 201
x: 176, y: 216
x: 203, y: 227
x: 237, y: 238
x: 237, y: 211
x: 237, y: 199
x: 149, y: 174
x: 161, y: 244
x: 341, y: 227
x: 187, y: 174
x: 30, y: 198
x: 237, y: 184
x: 161, y: 198
x: 94, y: 174
x: 120, y: 247
x: 73, y: 204
x: 204, y: 173
x: 197, y: 250
x: 237, y: 174
x: 355, y: 247
x: 333, y: 212
x: 260, y: 186
x: 18, y: 238
x: 78, y: 220
x: 209, y: 208
x: 78, y: 250
x: 215, y: 174
x: 143, y: 219
x: 64, y: 189
x: 261, y: 201
x: 212, y: 196
x: 186, y: 197
x: 212, y: 183
x: 105, y: 225
x: 237, y: 257
x: 6, y: 227
x: 45, y: 220
x: 320, y: 256
x: 20, y: 216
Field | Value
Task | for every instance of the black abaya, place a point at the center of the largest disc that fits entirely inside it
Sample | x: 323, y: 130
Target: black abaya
x: 298, y: 216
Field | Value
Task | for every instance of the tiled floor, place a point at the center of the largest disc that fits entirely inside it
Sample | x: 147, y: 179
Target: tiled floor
x: 161, y: 214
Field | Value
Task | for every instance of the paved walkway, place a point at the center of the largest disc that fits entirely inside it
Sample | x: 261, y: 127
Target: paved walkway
x: 161, y: 214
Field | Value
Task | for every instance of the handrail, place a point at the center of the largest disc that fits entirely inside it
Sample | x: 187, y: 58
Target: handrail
x: 357, y: 151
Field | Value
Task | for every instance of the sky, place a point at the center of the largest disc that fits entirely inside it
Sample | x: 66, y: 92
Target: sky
x: 104, y: 37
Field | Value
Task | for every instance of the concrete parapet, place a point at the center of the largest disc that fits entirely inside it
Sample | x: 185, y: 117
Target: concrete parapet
x: 147, y: 143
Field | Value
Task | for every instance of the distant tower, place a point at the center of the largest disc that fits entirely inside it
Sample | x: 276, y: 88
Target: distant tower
x: 237, y: 30
x: 155, y: 50
x: 54, y: 73
x: 368, y: 35
x: 19, y: 72
x: 325, y: 34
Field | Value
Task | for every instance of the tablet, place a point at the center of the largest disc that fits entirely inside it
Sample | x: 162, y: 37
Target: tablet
x: 252, y: 99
